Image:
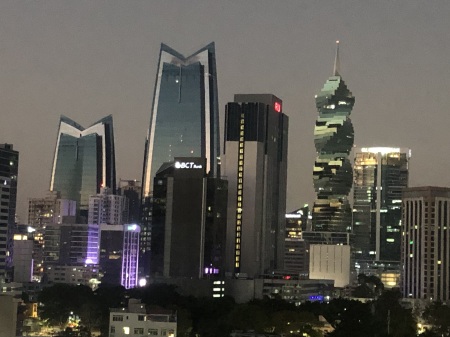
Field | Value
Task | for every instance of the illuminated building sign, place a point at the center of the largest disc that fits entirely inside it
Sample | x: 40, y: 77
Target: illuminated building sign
x: 277, y: 107
x: 187, y: 165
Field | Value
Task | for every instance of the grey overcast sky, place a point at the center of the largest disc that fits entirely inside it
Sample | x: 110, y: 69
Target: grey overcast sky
x: 87, y: 59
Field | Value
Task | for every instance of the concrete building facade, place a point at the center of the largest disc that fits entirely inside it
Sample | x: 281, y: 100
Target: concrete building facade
x: 426, y: 243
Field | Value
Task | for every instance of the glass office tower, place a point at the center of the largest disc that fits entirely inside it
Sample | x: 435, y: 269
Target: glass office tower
x: 333, y: 138
x: 84, y: 161
x: 380, y: 175
x: 184, y: 119
x: 185, y: 116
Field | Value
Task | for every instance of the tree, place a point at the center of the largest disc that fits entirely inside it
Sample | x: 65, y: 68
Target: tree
x: 438, y: 315
x: 56, y: 304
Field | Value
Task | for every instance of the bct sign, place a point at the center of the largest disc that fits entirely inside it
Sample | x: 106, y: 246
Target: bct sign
x: 187, y: 165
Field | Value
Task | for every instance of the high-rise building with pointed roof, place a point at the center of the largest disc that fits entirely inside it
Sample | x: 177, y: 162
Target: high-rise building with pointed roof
x: 184, y: 119
x: 333, y: 138
x: 84, y: 161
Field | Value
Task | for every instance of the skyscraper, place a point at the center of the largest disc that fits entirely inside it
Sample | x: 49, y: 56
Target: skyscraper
x: 179, y: 219
x: 9, y: 165
x: 333, y: 138
x: 84, y: 161
x: 425, y: 243
x: 380, y: 175
x: 184, y: 119
x: 255, y: 164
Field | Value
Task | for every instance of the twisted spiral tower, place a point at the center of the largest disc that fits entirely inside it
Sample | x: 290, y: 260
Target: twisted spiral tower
x: 333, y: 138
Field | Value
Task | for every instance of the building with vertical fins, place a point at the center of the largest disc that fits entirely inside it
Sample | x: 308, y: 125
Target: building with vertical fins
x: 9, y: 165
x: 255, y: 164
x: 333, y: 138
x: 380, y: 175
x: 184, y: 121
x: 425, y: 243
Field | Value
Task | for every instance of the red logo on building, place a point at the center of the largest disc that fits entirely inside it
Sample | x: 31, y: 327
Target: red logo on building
x: 277, y: 107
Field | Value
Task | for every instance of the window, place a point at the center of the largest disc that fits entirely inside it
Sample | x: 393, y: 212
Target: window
x: 153, y: 332
x: 138, y: 331
x: 117, y: 318
x: 113, y: 329
x: 126, y: 330
x: 163, y: 332
x: 141, y: 318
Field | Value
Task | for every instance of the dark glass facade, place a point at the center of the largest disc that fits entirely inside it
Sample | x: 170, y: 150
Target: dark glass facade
x: 380, y: 175
x: 333, y: 138
x: 9, y: 165
x: 255, y: 164
x: 189, y: 220
x: 84, y: 161
x: 184, y: 121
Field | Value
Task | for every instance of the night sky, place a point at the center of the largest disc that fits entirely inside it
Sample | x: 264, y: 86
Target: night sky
x: 88, y: 59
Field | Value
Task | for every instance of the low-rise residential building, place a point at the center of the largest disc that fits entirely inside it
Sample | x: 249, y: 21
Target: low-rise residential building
x: 136, y: 321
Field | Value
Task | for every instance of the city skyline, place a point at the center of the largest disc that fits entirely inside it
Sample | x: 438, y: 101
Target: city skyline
x: 90, y: 60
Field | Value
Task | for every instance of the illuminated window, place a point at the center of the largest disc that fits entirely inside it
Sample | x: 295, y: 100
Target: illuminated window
x: 126, y: 330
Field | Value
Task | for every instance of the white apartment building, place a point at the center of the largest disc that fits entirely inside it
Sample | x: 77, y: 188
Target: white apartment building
x: 136, y: 321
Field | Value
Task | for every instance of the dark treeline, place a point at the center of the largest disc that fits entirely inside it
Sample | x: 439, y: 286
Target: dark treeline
x: 217, y: 317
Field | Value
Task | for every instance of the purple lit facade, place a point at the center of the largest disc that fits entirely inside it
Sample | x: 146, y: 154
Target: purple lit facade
x: 92, y: 245
x: 130, y: 255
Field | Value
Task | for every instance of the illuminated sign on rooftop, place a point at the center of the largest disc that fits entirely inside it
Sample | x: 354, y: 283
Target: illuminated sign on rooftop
x: 187, y: 165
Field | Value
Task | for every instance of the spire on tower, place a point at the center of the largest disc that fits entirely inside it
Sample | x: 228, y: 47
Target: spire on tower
x: 337, y: 64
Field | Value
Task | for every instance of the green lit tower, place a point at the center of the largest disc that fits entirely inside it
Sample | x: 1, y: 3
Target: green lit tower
x: 333, y: 138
